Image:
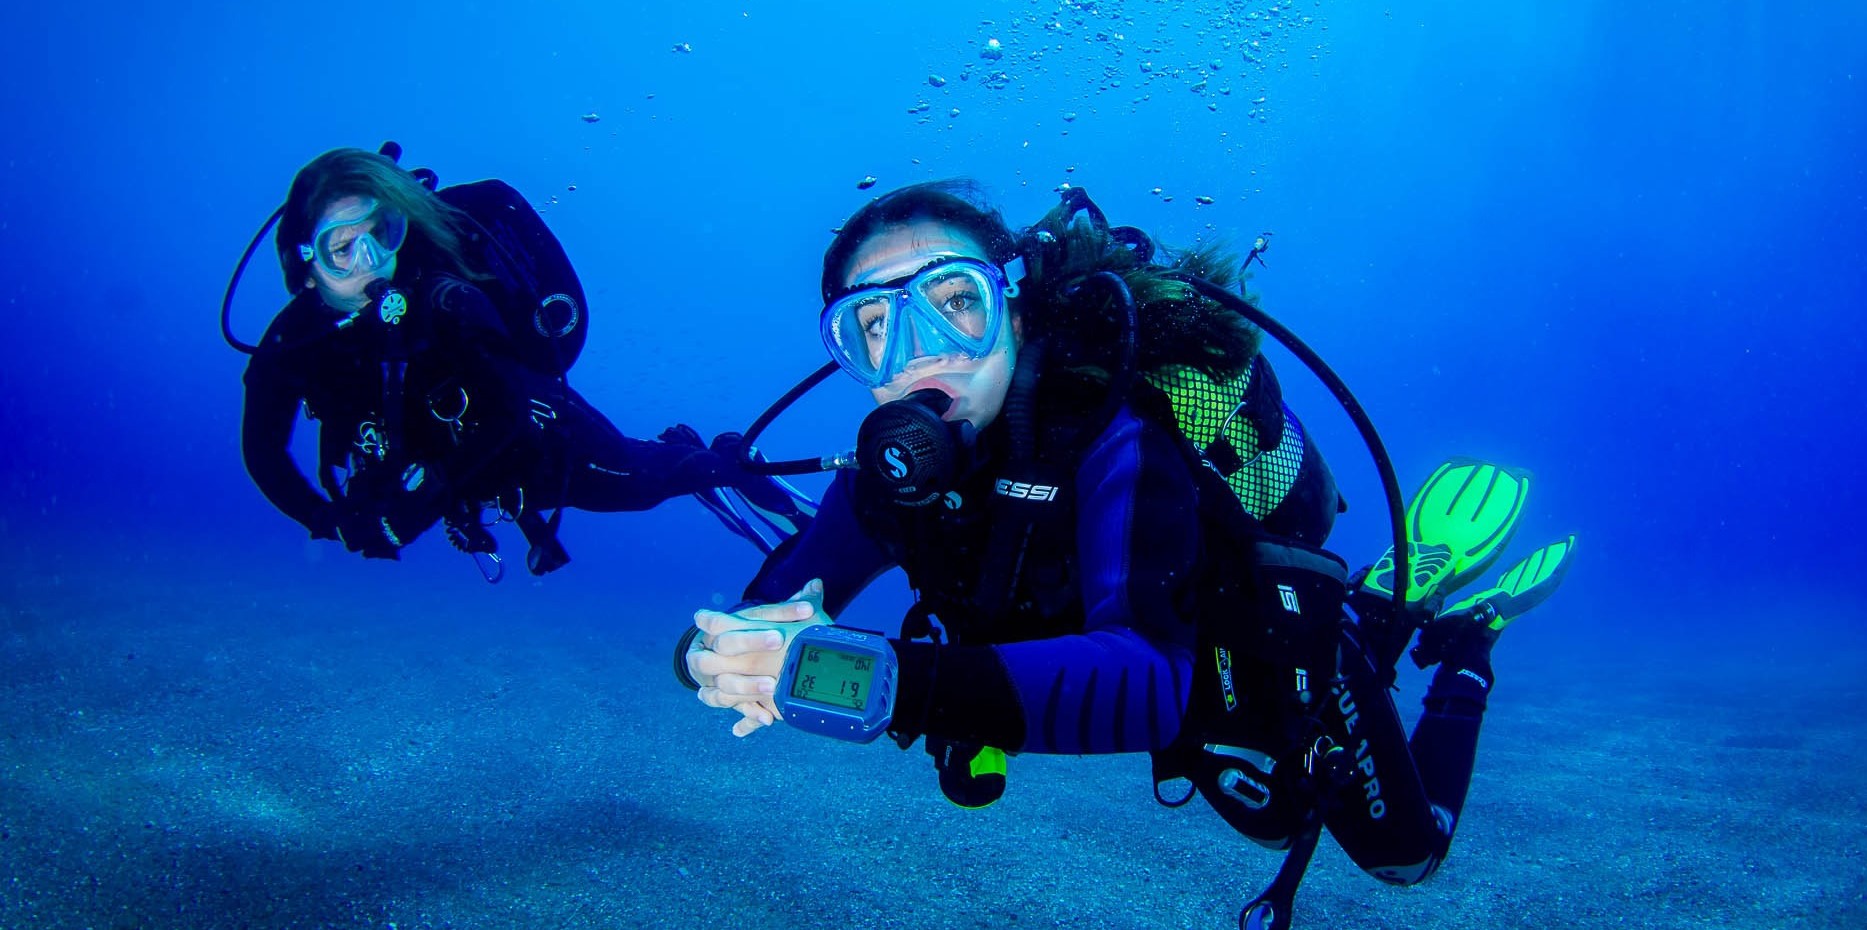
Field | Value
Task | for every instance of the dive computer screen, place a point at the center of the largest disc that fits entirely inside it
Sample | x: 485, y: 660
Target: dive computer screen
x: 834, y: 677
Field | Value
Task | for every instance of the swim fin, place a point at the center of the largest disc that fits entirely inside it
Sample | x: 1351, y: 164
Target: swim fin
x: 546, y: 554
x: 1480, y: 618
x: 1457, y: 526
x: 799, y: 509
x: 730, y: 507
x: 1525, y: 585
x: 773, y: 512
x: 763, y: 527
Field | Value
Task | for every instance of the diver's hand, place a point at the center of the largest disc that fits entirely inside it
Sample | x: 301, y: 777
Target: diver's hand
x: 363, y: 532
x: 324, y: 525
x: 738, y: 656
x: 680, y: 434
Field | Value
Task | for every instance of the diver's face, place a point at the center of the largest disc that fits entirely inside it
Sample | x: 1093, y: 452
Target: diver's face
x: 346, y: 294
x: 977, y: 385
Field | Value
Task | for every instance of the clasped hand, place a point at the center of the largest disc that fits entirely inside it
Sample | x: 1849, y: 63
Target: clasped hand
x: 378, y: 513
x: 738, y: 656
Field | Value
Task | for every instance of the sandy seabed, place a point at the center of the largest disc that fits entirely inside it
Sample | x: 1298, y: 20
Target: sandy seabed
x: 175, y: 757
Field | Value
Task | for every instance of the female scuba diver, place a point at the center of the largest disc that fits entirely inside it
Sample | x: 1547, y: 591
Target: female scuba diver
x: 1111, y: 522
x: 435, y: 402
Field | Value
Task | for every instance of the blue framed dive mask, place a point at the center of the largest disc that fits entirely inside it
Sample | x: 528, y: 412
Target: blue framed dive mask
x: 953, y: 306
x: 365, y: 236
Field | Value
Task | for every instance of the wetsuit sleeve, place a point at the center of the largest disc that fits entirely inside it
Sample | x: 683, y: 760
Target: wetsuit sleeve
x: 832, y: 547
x: 477, y: 335
x: 265, y: 443
x: 469, y: 312
x: 1122, y: 684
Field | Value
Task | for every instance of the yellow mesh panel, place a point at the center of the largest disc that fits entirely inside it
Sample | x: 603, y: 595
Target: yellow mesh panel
x: 1201, y: 405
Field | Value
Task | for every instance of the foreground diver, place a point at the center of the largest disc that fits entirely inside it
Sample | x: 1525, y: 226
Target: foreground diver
x: 1112, y: 523
x: 430, y: 335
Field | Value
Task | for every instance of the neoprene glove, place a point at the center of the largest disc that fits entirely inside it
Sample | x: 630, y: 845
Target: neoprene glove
x: 324, y: 525
x: 363, y: 532
x: 680, y: 434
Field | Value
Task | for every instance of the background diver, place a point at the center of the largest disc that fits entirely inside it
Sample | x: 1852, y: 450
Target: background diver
x: 1112, y: 524
x: 430, y: 335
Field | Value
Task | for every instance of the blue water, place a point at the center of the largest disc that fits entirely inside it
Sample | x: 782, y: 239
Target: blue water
x: 1624, y: 245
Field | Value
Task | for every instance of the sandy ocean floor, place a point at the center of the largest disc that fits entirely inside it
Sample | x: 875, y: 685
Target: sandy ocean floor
x: 188, y: 756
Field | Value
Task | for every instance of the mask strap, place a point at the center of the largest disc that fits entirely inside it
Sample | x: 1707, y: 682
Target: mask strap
x: 1014, y: 277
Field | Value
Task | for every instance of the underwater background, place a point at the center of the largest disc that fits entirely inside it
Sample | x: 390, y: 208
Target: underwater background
x: 1622, y: 245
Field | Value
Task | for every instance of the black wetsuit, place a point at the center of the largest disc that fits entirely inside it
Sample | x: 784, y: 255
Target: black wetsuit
x: 1095, y: 650
x: 482, y: 426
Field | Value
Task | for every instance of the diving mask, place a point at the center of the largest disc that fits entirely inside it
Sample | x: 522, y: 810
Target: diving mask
x: 366, y: 235
x: 954, y: 306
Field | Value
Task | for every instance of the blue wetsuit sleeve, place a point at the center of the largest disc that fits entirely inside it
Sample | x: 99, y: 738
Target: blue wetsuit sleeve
x: 832, y: 547
x: 1122, y: 684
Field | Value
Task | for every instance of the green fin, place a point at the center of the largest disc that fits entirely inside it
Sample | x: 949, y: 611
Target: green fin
x: 1526, y: 584
x: 1425, y: 566
x: 1457, y: 527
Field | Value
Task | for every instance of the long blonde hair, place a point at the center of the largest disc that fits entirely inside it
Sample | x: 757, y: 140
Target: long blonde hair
x: 436, y: 233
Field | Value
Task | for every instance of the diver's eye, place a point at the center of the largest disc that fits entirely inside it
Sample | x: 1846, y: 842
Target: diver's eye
x: 873, y: 320
x: 960, y: 303
x: 872, y: 317
x: 954, y: 295
x: 340, y: 246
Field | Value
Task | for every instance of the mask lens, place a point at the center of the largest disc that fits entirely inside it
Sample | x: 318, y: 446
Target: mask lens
x: 391, y: 229
x: 964, y: 300
x: 856, y: 330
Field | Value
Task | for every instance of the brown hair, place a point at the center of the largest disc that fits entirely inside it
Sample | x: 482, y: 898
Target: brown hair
x: 957, y: 203
x: 1177, y: 325
x: 436, y: 230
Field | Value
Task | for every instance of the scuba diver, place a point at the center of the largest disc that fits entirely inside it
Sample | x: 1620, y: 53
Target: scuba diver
x: 1113, y: 525
x: 430, y: 335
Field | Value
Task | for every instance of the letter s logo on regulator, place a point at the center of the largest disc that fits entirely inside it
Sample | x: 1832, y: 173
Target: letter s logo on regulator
x: 1025, y: 491
x: 892, y: 457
